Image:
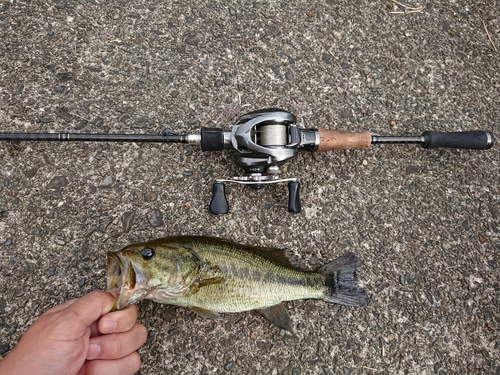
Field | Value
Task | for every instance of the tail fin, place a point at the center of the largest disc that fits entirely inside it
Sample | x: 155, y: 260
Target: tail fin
x: 341, y: 281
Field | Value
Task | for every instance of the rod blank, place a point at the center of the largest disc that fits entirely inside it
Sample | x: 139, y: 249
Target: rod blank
x: 91, y: 137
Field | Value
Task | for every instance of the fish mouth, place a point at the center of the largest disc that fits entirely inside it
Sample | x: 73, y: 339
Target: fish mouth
x: 126, y: 276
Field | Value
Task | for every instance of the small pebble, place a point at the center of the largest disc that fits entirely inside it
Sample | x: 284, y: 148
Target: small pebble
x: 57, y: 182
x: 346, y: 113
x: 61, y: 5
x: 402, y: 280
x: 289, y: 75
x: 8, y: 242
x: 365, y: 162
x: 106, y: 182
x: 228, y: 366
x: 50, y: 33
x: 59, y: 241
x: 124, y: 118
x: 187, y: 173
x: 50, y: 272
x: 98, y: 121
x: 155, y: 218
x: 81, y: 282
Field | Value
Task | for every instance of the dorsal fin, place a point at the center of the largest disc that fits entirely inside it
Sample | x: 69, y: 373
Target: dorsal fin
x: 285, y: 257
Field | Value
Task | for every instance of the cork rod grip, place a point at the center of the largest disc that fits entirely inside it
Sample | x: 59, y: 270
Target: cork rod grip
x: 335, y: 140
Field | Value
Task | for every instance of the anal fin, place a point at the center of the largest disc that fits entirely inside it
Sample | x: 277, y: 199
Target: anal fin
x: 207, y: 314
x: 278, y: 315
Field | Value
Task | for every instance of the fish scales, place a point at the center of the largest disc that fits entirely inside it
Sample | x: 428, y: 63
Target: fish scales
x: 250, y: 281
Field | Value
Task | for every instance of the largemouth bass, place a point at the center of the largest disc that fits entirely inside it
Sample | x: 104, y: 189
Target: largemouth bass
x: 213, y: 276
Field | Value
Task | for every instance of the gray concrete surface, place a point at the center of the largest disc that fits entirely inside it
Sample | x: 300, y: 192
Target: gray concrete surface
x: 425, y: 223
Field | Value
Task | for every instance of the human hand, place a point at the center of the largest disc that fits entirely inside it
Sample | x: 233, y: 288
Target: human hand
x: 80, y: 337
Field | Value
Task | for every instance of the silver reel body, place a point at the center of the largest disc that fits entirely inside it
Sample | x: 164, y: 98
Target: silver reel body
x: 263, y: 141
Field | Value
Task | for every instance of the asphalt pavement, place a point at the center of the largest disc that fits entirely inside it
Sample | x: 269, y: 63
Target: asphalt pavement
x: 424, y: 222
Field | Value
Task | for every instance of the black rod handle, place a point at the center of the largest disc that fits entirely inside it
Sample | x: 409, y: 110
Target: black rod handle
x: 473, y: 140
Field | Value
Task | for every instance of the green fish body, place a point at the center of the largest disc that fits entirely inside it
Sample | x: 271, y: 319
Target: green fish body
x: 213, y: 276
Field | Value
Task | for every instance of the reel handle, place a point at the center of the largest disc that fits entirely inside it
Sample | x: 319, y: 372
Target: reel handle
x: 294, y: 198
x: 335, y: 140
x: 218, y: 204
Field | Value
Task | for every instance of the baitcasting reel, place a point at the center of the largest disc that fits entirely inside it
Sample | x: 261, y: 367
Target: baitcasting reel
x: 263, y: 141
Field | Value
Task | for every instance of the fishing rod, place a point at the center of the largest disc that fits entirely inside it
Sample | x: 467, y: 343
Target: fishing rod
x: 264, y: 140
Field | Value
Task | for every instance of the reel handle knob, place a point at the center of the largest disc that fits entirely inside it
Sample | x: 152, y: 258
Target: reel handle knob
x: 218, y: 204
x: 294, y: 198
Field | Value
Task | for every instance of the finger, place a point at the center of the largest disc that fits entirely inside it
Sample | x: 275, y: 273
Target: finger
x: 117, y: 345
x: 94, y: 330
x: 119, y: 321
x: 92, y: 306
x: 123, y: 366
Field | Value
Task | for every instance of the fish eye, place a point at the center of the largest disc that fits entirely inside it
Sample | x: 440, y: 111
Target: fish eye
x: 147, y: 253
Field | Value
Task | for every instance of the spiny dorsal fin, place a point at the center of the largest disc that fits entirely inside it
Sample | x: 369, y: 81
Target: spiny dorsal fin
x: 277, y: 315
x: 207, y: 314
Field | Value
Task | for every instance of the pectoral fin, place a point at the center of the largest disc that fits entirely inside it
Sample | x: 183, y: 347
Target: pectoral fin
x: 207, y: 314
x: 195, y: 288
x: 278, y: 315
x: 211, y: 281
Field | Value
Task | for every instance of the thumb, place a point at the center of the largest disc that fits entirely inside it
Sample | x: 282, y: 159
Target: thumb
x: 92, y: 306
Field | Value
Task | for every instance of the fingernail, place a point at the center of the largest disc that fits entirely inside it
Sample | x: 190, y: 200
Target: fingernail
x: 108, y: 326
x: 94, y: 350
x: 114, y: 292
